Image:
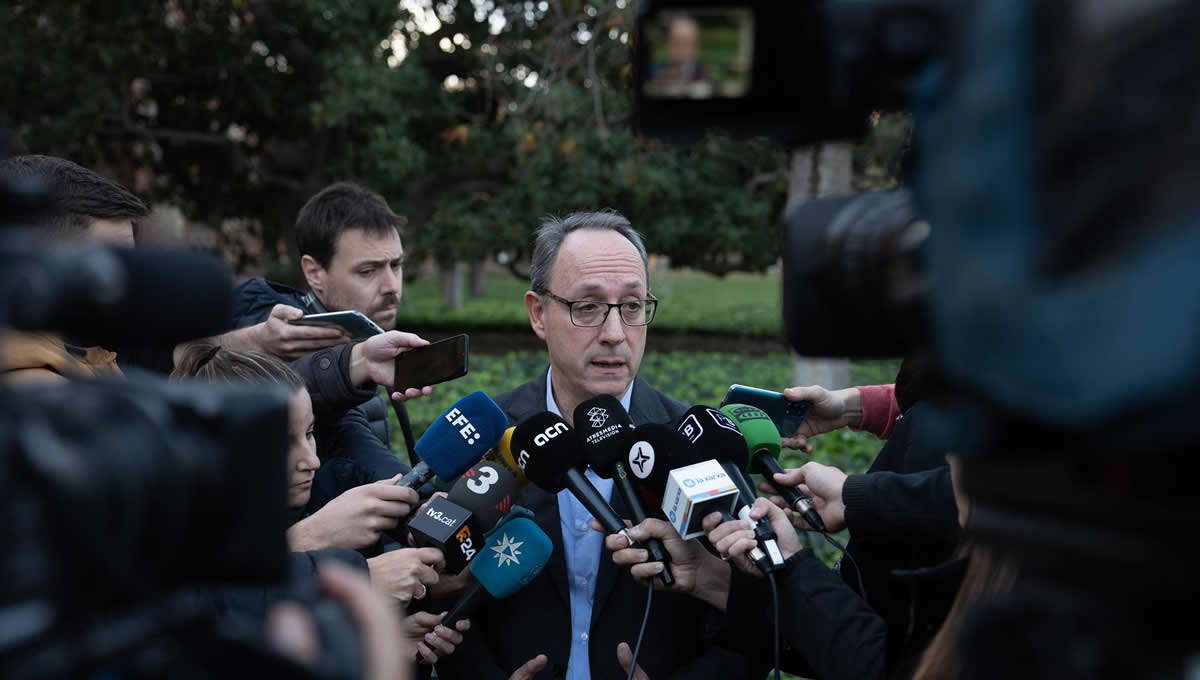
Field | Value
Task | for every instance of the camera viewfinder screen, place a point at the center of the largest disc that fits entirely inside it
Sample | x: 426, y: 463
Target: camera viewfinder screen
x: 699, y: 54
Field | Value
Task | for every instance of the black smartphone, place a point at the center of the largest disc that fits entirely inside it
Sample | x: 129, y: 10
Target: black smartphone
x: 356, y: 324
x: 432, y: 364
x: 787, y: 415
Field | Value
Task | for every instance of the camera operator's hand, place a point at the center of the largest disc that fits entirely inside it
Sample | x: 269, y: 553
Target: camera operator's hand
x: 356, y: 518
x: 530, y: 668
x: 735, y: 538
x: 374, y: 361
x: 406, y: 574
x: 823, y: 486
x: 697, y: 572
x: 291, y: 631
x: 431, y: 638
x: 277, y: 336
x: 831, y: 410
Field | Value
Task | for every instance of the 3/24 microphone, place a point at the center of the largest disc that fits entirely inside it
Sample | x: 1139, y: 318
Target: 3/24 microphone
x: 603, y: 427
x: 457, y: 439
x: 762, y: 442
x: 549, y: 454
x: 458, y: 524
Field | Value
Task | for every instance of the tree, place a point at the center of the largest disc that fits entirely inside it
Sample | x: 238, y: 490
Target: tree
x: 473, y: 118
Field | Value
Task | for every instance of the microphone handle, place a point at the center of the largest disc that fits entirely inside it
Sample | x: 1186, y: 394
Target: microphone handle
x: 595, y: 504
x: 658, y: 552
x: 466, y: 604
x: 766, y: 465
x: 416, y: 476
x: 746, y: 494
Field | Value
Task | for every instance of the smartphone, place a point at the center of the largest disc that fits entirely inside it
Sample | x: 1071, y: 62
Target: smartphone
x: 787, y: 415
x: 432, y: 364
x: 357, y: 324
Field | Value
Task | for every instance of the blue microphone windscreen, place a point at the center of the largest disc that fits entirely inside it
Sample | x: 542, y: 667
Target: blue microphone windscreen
x: 512, y: 557
x: 462, y: 435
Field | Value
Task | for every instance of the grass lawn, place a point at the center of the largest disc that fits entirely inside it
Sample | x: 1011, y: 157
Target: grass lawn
x: 744, y: 305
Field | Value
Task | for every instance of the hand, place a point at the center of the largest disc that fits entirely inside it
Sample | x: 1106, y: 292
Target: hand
x: 736, y: 539
x: 354, y: 519
x: 831, y: 410
x: 450, y: 585
x: 625, y: 658
x: 432, y: 639
x: 290, y: 629
x: 277, y: 336
x: 823, y: 486
x: 697, y: 572
x: 530, y: 668
x: 374, y: 361
x: 406, y: 574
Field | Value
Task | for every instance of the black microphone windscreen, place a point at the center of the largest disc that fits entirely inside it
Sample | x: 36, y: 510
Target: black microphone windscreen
x: 713, y: 435
x: 488, y: 490
x: 545, y: 449
x: 602, y: 426
x: 654, y: 450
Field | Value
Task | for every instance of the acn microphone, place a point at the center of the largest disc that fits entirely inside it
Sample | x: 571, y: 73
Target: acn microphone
x: 457, y: 439
x: 551, y: 458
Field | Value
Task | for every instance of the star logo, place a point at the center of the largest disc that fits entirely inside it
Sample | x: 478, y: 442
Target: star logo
x: 507, y: 551
x: 641, y: 459
x: 598, y: 416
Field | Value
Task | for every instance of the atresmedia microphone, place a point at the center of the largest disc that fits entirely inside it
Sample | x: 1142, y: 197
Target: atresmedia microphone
x: 604, y: 427
x: 513, y: 556
x: 762, y: 442
x: 551, y: 457
x: 457, y: 439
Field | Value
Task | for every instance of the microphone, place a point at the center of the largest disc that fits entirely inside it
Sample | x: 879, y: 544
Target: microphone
x: 550, y: 457
x: 449, y: 527
x: 488, y: 490
x: 457, y: 440
x: 511, y: 558
x: 604, y: 427
x: 713, y: 435
x: 502, y: 454
x: 762, y: 441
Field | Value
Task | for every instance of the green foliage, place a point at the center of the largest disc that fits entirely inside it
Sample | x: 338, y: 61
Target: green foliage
x: 743, y: 305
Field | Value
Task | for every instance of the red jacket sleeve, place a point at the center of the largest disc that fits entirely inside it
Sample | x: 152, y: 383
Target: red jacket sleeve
x: 879, y: 408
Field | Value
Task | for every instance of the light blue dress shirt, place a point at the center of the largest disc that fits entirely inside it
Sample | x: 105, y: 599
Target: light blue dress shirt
x: 583, y: 548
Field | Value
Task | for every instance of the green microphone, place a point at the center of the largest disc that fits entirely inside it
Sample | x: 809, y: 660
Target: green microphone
x: 762, y: 439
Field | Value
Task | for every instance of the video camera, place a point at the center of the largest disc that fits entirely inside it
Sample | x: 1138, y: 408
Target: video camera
x: 125, y: 499
x: 1044, y: 255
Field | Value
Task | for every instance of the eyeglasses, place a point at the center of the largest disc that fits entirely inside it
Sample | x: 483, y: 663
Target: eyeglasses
x: 591, y: 313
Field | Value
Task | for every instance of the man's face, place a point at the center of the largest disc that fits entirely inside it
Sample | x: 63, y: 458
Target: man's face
x: 603, y: 266
x: 112, y: 232
x: 364, y: 275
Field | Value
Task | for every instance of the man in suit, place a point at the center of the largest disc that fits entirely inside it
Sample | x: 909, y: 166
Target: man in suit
x: 590, y: 301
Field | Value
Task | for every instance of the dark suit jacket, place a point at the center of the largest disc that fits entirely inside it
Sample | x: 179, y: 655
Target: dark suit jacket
x: 537, y: 620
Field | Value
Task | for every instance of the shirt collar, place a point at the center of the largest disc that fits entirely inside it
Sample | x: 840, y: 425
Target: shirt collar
x: 552, y: 406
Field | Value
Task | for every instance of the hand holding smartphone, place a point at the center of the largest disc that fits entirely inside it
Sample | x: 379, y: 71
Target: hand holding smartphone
x: 786, y: 415
x: 356, y: 324
x: 432, y: 364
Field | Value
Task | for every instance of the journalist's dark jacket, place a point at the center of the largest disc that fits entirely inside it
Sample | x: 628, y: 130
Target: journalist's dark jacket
x: 537, y: 620
x: 354, y: 448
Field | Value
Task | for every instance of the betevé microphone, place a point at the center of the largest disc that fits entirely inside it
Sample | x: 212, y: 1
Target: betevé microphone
x: 763, y: 443
x: 603, y: 428
x: 502, y: 454
x: 513, y: 555
x: 457, y: 439
x: 551, y: 457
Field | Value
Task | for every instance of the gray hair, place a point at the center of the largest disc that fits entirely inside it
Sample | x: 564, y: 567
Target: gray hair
x: 550, y: 235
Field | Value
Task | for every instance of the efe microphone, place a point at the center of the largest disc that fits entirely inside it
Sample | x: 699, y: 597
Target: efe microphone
x: 457, y: 439
x: 550, y: 456
x: 763, y: 443
x: 603, y: 427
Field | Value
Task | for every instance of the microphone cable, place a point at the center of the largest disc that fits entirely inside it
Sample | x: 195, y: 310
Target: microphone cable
x: 637, y: 648
x: 775, y: 614
x: 857, y: 572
